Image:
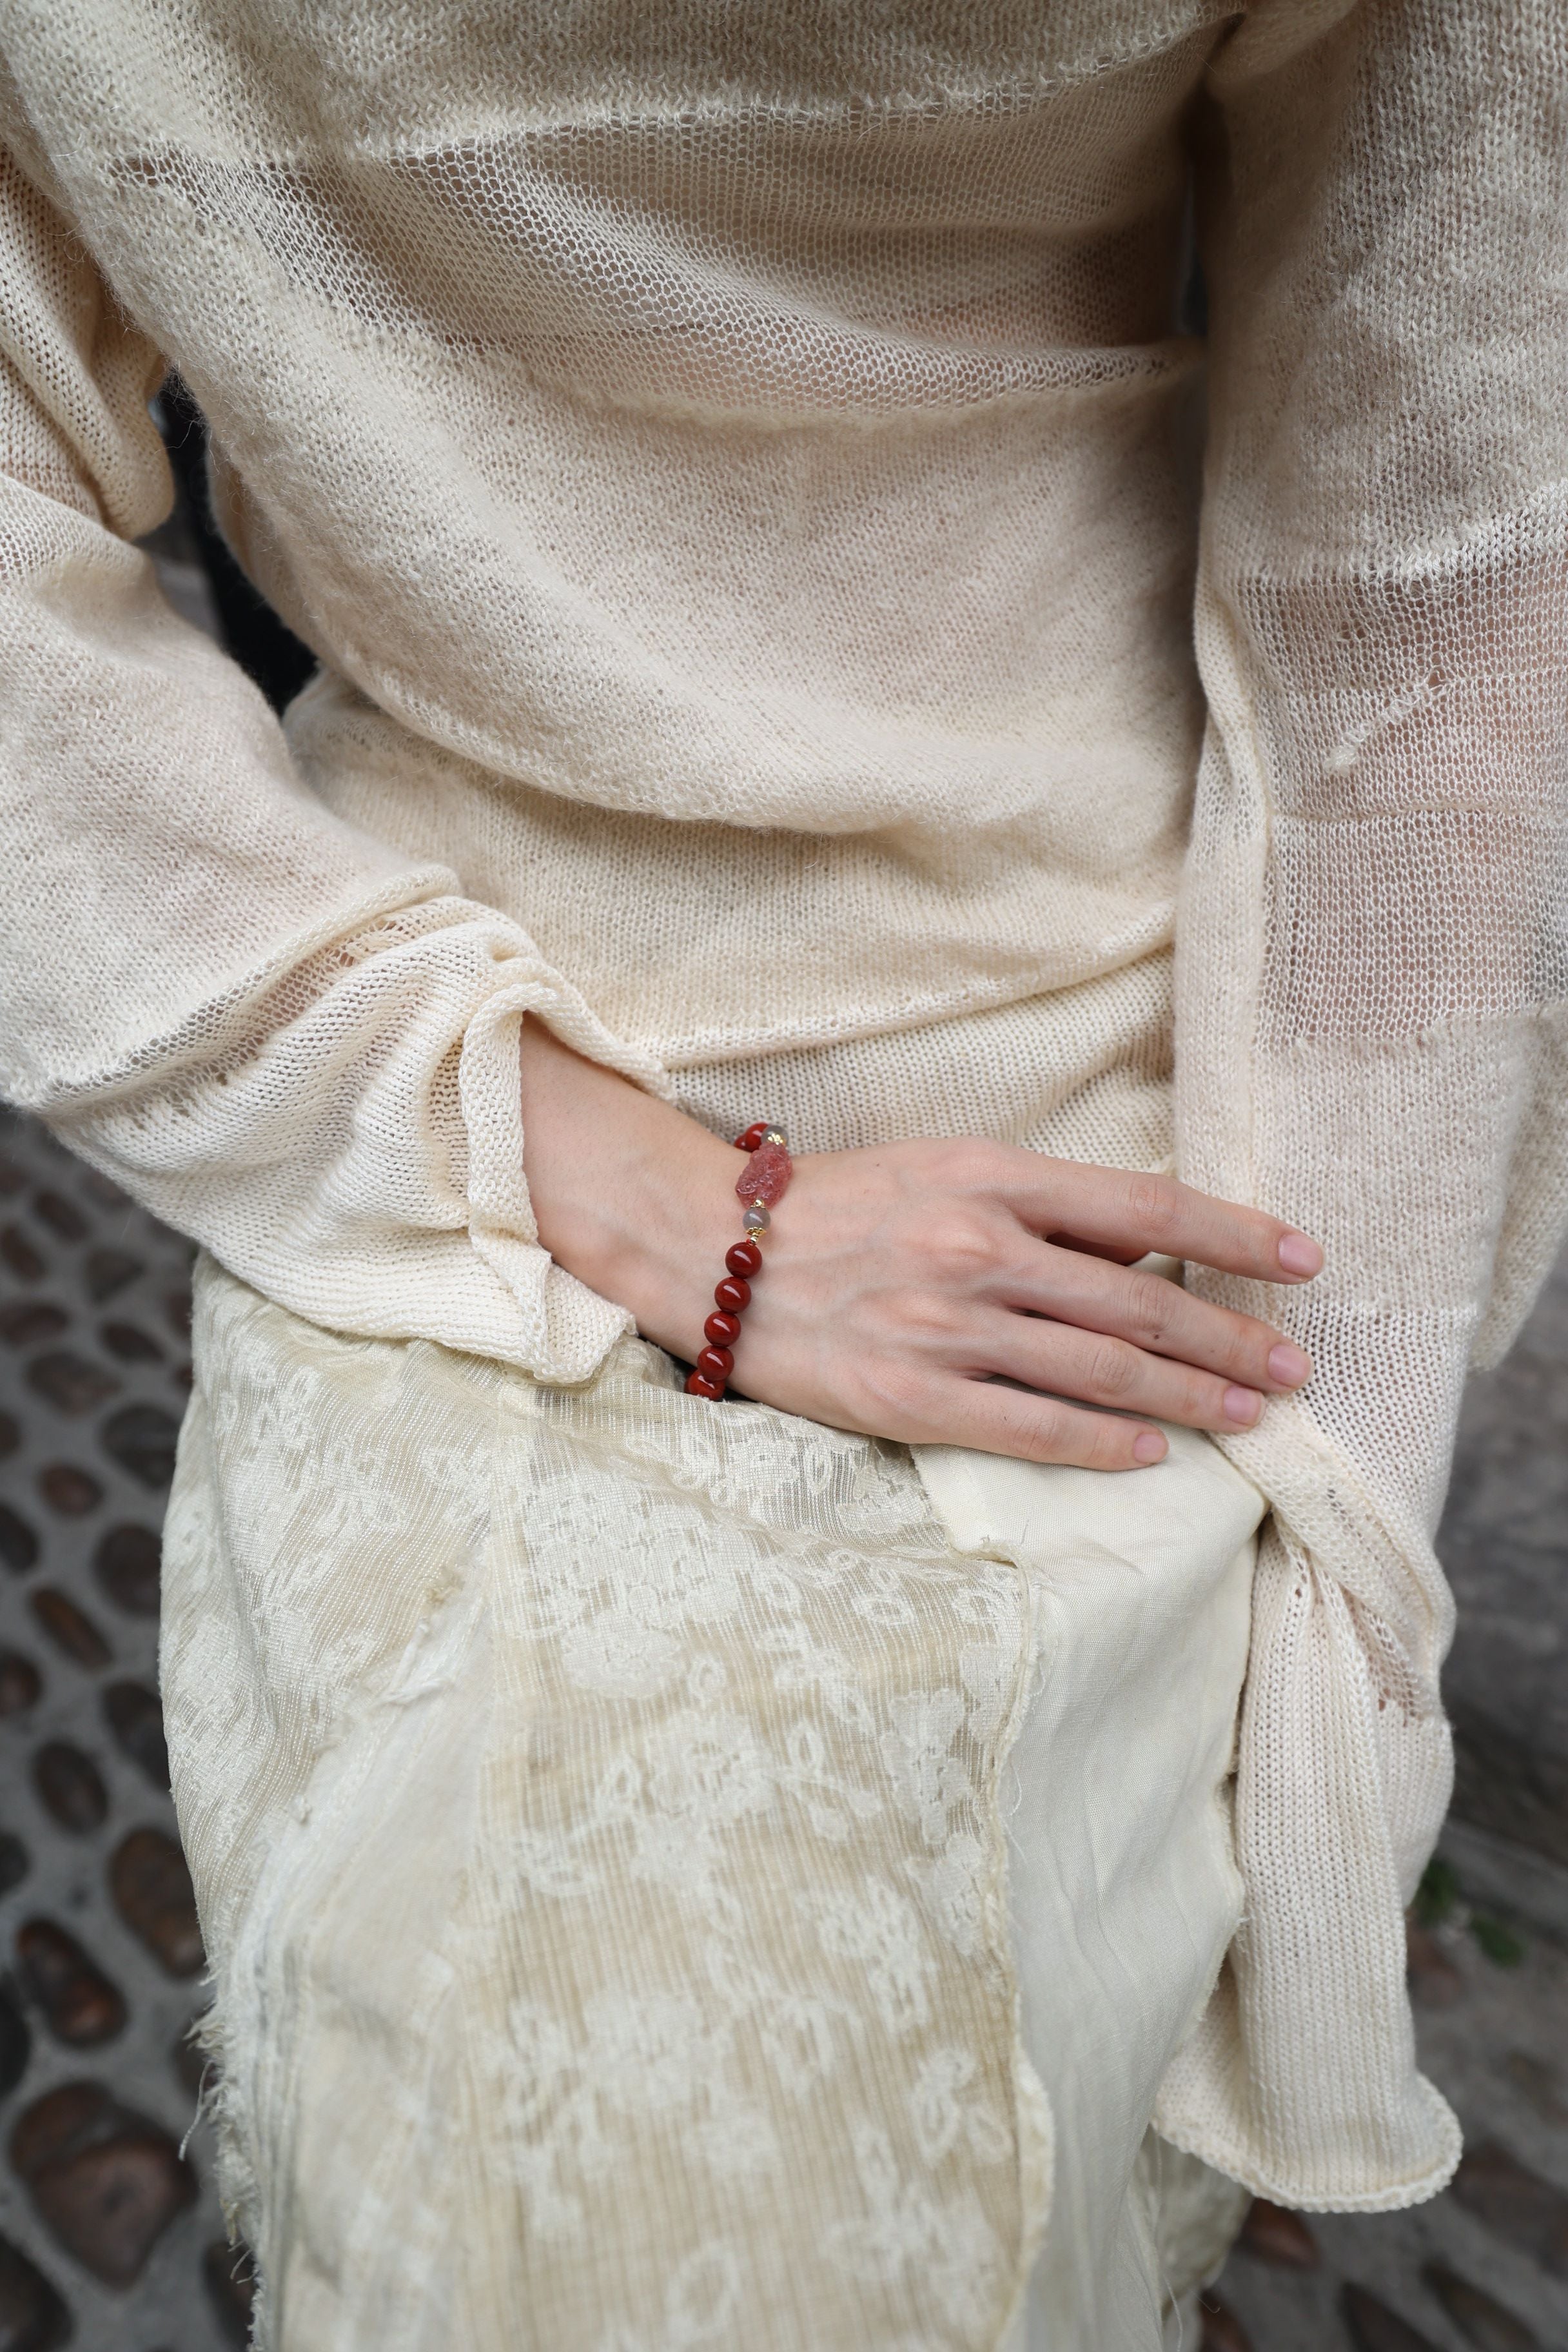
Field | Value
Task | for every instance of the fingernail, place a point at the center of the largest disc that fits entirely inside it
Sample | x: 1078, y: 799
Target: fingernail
x: 1298, y: 1254
x: 1148, y: 1447
x: 1288, y: 1365
x: 1242, y: 1405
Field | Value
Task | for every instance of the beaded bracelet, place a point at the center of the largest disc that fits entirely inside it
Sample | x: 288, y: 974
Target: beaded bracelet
x: 761, y: 1186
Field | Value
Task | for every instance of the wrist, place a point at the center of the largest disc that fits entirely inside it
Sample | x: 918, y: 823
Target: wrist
x: 630, y: 1195
x: 649, y: 1241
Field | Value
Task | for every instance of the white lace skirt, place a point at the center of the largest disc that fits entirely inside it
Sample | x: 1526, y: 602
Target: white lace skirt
x: 680, y: 1876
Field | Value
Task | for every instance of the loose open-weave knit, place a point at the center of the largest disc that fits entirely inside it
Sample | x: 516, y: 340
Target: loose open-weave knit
x: 738, y: 467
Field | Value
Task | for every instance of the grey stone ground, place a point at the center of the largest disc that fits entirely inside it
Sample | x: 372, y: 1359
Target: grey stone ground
x: 92, y: 1369
x: 1505, y: 1545
x: 63, y: 1391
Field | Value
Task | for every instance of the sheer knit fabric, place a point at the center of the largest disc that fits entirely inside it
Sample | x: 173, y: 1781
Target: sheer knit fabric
x: 739, y: 470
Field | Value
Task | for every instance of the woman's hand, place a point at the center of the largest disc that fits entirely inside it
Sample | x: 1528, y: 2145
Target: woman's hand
x: 955, y: 1293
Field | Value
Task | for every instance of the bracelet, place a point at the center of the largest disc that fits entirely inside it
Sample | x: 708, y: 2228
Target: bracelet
x: 762, y: 1184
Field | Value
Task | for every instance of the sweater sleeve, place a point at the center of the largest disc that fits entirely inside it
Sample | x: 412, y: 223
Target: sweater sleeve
x: 1371, y: 958
x: 285, y: 1038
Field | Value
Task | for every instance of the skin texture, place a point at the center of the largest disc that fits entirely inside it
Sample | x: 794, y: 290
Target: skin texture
x: 956, y: 1292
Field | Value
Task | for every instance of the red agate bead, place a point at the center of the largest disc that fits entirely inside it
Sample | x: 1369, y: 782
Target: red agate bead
x: 734, y: 1296
x: 716, y: 1363
x: 743, y: 1258
x: 699, y: 1384
x: 752, y: 1137
x: 723, y: 1330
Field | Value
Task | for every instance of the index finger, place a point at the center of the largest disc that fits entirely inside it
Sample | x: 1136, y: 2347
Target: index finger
x: 1124, y: 1210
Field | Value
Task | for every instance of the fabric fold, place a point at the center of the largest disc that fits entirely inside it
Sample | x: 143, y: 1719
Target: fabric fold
x: 1372, y: 965
x: 289, y: 1039
x: 359, y: 1157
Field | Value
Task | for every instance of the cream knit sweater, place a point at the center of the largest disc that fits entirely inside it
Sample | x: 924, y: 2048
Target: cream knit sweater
x: 738, y: 469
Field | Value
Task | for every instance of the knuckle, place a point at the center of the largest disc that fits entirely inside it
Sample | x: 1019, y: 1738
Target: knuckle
x: 1149, y: 1308
x: 1110, y: 1445
x: 1110, y: 1368
x: 925, y: 1318
x: 1044, y: 1437
x: 1252, y: 1233
x: 971, y: 1162
x: 1245, y: 1343
x: 959, y: 1250
x: 1260, y: 1237
x: 1153, y: 1204
x: 896, y: 1391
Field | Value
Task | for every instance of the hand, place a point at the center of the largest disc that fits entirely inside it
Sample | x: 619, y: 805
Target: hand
x: 906, y: 1287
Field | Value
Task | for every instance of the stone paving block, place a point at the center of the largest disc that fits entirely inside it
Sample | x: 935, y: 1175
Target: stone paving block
x: 80, y: 2005
x: 1487, y: 2325
x: 33, y: 2316
x: 105, y: 2180
x: 16, y: 2046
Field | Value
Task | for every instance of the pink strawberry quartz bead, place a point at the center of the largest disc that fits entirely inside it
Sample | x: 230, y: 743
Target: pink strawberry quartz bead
x: 765, y: 1175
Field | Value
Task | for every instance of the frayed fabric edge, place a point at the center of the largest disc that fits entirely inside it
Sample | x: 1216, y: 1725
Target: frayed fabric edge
x: 237, y: 2185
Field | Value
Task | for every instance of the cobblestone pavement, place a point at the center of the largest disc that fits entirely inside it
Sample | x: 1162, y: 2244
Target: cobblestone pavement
x: 101, y: 2217
x: 110, y: 2237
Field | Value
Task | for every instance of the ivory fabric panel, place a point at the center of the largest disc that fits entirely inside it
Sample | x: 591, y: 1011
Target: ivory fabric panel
x: 675, y: 1878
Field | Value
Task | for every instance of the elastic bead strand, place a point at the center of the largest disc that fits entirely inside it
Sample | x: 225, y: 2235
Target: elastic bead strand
x: 761, y: 1183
